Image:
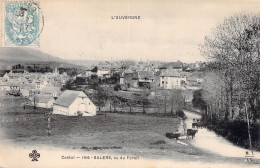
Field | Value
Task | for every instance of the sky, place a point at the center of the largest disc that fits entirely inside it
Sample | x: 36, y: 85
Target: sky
x: 169, y: 30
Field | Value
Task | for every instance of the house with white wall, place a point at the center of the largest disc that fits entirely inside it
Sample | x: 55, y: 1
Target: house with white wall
x: 74, y: 103
x: 103, y: 72
x: 171, y: 79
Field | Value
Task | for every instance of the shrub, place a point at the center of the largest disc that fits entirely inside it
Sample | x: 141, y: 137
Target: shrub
x: 181, y: 114
x: 117, y: 88
x: 236, y: 132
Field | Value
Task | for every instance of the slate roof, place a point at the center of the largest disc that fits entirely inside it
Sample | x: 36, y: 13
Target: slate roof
x: 27, y: 86
x: 171, y: 73
x: 50, y: 90
x: 192, y: 79
x: 144, y: 75
x: 13, y: 82
x: 127, y: 71
x: 68, y: 97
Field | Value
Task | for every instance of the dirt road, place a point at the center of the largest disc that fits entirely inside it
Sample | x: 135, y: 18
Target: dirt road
x: 211, y: 142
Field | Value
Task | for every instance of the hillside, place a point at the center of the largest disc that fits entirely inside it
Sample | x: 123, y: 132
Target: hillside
x: 11, y: 56
x: 25, y: 55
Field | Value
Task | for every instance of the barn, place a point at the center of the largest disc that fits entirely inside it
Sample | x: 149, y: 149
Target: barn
x: 44, y: 101
x: 74, y: 103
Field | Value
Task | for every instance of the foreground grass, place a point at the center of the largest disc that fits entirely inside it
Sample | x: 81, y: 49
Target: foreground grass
x: 140, y: 135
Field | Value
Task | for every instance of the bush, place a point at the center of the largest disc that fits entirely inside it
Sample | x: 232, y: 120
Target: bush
x: 198, y: 101
x: 181, y: 114
x: 117, y: 88
x: 236, y: 132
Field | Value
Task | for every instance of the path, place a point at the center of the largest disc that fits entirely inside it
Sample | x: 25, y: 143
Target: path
x: 210, y: 141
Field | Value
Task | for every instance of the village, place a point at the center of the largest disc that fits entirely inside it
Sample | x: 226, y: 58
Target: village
x: 142, y: 108
x: 127, y: 83
x: 119, y: 104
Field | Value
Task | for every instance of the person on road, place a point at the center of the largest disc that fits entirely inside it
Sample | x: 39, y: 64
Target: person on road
x: 194, y: 124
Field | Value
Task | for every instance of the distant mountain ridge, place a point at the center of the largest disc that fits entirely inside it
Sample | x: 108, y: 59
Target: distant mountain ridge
x: 11, y: 56
x: 26, y: 55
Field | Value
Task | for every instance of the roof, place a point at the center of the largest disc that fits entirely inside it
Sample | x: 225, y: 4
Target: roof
x: 27, y: 85
x: 192, y: 78
x: 185, y: 74
x: 68, y: 97
x: 50, y: 85
x: 171, y: 73
x: 43, y: 98
x: 197, y: 74
x: 50, y: 90
x: 144, y: 74
x: 13, y: 82
x: 127, y: 71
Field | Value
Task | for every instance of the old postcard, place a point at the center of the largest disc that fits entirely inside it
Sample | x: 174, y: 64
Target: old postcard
x: 128, y: 83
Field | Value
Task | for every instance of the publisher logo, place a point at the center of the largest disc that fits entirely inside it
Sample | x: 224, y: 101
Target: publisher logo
x: 34, y: 155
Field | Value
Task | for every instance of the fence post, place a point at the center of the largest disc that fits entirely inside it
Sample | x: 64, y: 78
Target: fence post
x: 49, y: 124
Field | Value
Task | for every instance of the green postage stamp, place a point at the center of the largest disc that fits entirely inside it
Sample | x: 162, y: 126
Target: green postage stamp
x: 21, y: 23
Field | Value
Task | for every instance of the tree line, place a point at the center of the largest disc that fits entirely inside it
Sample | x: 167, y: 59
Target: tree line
x: 231, y: 88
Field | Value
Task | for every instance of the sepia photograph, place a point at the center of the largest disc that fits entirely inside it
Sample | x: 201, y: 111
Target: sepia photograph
x: 128, y: 83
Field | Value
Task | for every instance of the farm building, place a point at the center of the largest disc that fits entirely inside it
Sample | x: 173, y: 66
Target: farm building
x: 74, y: 103
x: 44, y: 101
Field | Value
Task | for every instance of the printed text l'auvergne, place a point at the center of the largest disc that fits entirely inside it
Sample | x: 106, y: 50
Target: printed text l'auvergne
x: 126, y: 17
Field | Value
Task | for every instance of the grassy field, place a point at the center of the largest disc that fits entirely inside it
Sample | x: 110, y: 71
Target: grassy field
x: 140, y: 135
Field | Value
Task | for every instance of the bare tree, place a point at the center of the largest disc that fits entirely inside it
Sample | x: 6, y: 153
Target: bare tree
x: 234, y: 46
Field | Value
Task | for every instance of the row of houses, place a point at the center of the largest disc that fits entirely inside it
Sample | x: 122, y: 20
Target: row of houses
x: 164, y: 79
x: 172, y: 79
x: 148, y: 74
x: 27, y: 84
x: 44, y: 90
